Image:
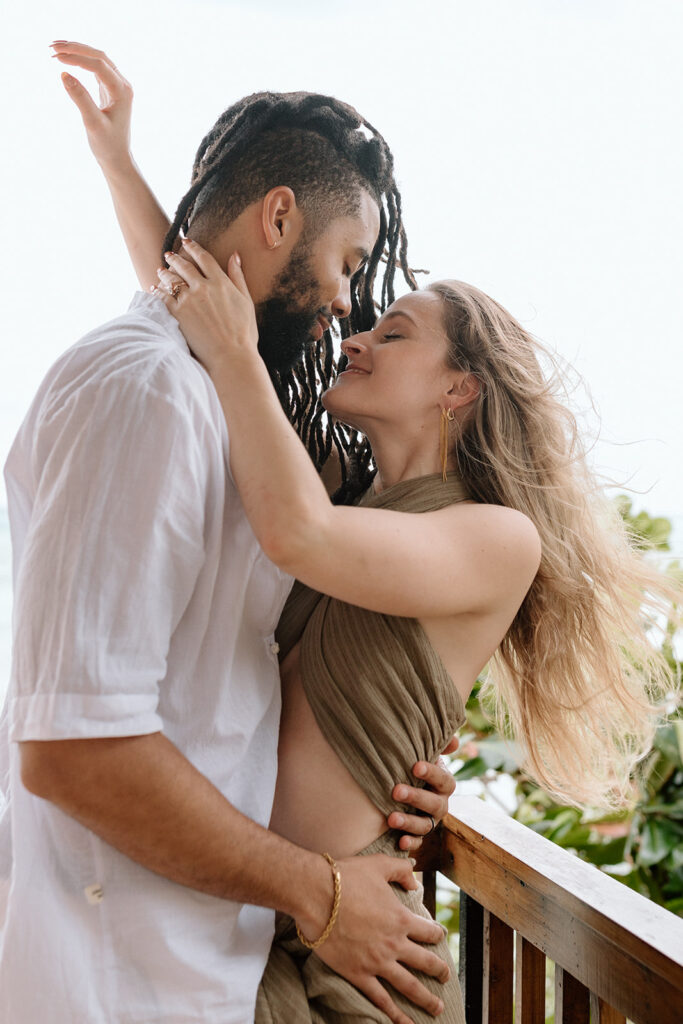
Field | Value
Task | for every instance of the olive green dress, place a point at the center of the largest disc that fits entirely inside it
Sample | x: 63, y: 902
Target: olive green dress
x: 383, y: 700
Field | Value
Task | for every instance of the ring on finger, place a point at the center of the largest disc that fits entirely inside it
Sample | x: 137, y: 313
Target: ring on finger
x: 431, y: 818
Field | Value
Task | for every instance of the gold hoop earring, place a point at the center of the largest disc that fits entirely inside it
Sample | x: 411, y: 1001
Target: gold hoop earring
x: 447, y: 416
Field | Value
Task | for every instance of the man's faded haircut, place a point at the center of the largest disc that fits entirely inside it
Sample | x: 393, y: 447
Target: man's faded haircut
x: 328, y: 155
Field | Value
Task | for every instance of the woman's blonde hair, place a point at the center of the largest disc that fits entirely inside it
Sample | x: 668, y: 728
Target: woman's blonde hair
x: 576, y: 679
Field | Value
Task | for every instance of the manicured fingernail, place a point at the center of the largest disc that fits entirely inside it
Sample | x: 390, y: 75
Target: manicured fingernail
x: 238, y: 261
x: 186, y: 241
x: 400, y: 821
x: 168, y: 255
x: 69, y: 82
x: 420, y: 770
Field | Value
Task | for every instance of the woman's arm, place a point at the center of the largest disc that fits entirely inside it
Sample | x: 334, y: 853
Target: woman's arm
x: 464, y: 558
x: 142, y: 220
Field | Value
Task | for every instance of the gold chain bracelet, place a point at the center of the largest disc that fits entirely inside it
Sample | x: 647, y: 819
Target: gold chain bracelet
x: 334, y: 913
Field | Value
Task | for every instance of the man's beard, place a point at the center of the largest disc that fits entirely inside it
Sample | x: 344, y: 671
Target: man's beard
x: 287, y: 317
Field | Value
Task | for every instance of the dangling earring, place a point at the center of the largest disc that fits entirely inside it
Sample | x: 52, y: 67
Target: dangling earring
x: 447, y: 416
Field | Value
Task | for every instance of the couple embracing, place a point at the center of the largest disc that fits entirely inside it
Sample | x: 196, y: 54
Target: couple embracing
x: 255, y: 585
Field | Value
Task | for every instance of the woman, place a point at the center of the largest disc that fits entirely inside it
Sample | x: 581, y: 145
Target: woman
x: 483, y: 538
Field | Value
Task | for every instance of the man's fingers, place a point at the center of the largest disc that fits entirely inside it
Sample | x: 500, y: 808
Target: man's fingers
x: 422, y: 800
x: 399, y: 870
x: 436, y: 776
x: 424, y: 960
x: 423, y: 929
x: 411, y: 844
x: 409, y: 986
x: 416, y: 824
x: 83, y: 100
x: 452, y: 746
x: 378, y: 995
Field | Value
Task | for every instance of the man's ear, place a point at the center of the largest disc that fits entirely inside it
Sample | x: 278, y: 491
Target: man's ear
x: 281, y: 218
x: 464, y: 389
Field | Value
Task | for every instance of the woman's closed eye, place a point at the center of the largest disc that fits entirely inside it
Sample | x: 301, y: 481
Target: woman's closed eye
x: 391, y: 337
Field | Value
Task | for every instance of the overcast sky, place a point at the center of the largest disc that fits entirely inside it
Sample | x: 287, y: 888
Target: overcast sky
x: 537, y: 146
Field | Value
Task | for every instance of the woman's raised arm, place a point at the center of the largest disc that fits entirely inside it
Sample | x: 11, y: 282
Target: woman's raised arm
x: 143, y: 222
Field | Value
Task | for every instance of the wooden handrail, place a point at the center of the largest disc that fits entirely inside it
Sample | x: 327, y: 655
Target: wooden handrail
x: 623, y: 952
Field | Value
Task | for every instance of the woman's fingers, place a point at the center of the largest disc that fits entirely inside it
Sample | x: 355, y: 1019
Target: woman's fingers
x: 80, y: 49
x: 188, y: 271
x: 83, y: 100
x: 171, y: 282
x: 209, y: 266
x: 104, y: 72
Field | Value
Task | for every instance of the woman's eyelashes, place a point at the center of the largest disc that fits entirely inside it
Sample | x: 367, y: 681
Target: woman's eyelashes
x: 391, y: 337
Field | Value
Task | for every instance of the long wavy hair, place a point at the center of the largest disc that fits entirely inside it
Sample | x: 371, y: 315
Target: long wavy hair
x: 577, y: 678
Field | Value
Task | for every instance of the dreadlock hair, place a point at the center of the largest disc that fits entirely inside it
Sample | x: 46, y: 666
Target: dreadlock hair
x: 327, y: 154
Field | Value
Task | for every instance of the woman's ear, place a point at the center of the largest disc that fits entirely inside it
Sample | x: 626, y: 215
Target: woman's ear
x: 463, y: 390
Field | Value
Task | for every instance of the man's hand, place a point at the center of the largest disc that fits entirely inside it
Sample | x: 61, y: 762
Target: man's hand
x: 376, y: 936
x: 432, y: 801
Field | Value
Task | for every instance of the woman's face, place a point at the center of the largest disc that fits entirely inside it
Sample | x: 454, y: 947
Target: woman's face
x: 397, y: 372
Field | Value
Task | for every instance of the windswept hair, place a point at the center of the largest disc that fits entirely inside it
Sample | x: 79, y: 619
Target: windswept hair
x: 576, y: 679
x: 327, y: 154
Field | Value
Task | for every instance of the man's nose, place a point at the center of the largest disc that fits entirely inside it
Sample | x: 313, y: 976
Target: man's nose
x: 341, y: 304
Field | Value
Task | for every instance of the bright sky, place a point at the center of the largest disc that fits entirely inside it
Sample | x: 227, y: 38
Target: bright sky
x: 537, y: 146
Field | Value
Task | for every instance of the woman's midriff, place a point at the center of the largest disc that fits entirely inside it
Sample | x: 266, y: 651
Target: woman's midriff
x: 318, y: 804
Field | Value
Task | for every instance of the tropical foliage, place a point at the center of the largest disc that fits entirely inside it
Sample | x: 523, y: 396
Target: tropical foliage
x: 642, y: 846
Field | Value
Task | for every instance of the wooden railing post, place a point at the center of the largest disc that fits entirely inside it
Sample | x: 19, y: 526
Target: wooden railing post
x: 529, y: 983
x: 601, y: 1013
x: 498, y: 970
x: 572, y: 999
x: 471, y: 970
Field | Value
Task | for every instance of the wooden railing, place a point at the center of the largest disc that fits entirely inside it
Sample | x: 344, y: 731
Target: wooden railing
x: 522, y: 900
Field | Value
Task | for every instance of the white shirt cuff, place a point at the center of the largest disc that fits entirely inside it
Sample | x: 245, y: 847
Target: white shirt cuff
x: 73, y: 716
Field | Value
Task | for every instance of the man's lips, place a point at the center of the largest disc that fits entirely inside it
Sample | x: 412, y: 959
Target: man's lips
x: 321, y: 325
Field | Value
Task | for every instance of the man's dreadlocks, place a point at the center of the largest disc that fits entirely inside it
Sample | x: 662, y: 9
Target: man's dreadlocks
x: 327, y: 153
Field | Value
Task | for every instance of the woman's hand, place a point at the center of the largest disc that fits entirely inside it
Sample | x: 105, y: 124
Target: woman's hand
x: 214, y: 309
x: 107, y: 125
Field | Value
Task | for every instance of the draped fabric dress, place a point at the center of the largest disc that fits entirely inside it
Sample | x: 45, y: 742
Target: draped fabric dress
x: 383, y: 700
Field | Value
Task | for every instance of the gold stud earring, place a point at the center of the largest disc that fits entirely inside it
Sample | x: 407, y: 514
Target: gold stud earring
x: 447, y: 416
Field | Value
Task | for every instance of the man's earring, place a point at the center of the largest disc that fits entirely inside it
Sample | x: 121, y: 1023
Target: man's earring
x: 447, y: 416
x: 273, y: 246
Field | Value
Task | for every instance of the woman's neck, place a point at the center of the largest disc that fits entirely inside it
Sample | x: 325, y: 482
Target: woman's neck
x: 396, y: 462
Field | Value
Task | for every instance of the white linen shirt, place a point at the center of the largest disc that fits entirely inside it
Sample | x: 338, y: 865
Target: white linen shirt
x: 142, y: 603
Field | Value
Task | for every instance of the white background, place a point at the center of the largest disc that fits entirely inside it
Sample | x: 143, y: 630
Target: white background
x: 537, y: 147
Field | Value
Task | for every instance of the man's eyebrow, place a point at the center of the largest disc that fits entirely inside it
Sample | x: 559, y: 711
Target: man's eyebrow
x: 362, y: 254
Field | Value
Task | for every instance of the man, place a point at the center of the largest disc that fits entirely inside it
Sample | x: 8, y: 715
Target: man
x: 144, y: 701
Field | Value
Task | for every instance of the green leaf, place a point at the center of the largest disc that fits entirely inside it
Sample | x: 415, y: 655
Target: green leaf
x: 675, y: 906
x: 472, y: 769
x: 658, y: 838
x: 610, y: 852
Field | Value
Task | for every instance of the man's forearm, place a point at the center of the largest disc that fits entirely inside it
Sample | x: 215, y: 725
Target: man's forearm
x: 142, y: 796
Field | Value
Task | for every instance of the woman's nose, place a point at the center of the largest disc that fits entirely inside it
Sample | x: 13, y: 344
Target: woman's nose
x: 353, y: 345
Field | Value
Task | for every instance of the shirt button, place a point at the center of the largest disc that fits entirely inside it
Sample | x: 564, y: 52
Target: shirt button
x: 94, y: 894
x: 274, y: 648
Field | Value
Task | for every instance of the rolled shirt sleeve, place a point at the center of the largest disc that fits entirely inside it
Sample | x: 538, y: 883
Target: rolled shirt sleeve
x: 111, y: 555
